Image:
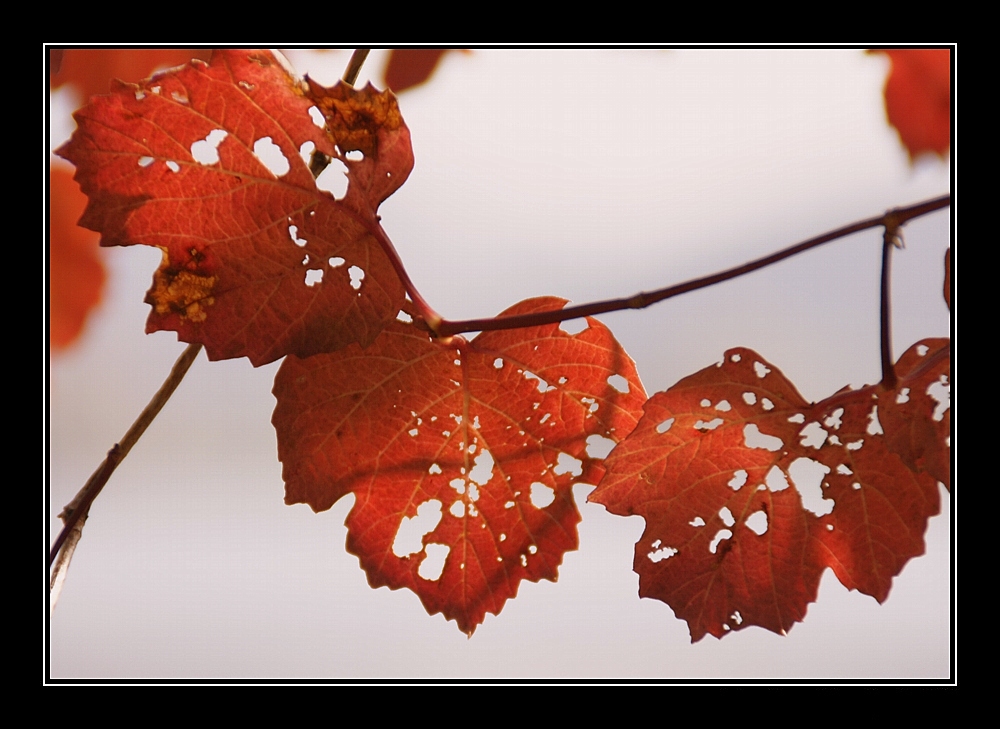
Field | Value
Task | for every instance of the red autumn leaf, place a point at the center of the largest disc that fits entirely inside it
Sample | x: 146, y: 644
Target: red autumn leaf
x: 409, y: 67
x: 947, y: 278
x: 726, y: 467
x: 482, y: 439
x: 91, y: 70
x: 917, y: 414
x: 257, y: 261
x: 76, y: 274
x: 918, y: 98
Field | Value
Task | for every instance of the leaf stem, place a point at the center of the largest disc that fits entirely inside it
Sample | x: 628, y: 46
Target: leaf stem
x: 75, y: 513
x: 894, y: 218
x: 890, y: 240
x: 355, y: 64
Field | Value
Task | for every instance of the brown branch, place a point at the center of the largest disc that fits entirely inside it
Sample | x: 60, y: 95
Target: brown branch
x: 897, y: 217
x: 79, y: 507
x: 355, y: 64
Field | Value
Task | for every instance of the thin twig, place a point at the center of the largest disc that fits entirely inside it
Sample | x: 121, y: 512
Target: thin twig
x: 355, y: 64
x: 889, y: 241
x: 76, y: 511
x: 898, y: 217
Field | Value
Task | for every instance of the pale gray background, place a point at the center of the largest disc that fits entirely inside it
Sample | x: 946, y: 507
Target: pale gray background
x: 582, y: 174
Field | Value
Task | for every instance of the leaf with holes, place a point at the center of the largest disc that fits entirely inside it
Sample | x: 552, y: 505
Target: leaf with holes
x: 91, y: 69
x: 749, y: 493
x: 917, y: 413
x: 462, y: 454
x: 211, y: 164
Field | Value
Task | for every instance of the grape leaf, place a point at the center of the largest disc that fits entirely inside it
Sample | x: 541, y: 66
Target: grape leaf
x: 482, y: 439
x: 749, y: 493
x: 917, y: 413
x: 918, y: 98
x: 409, y: 67
x: 92, y: 69
x: 257, y: 261
x: 76, y: 273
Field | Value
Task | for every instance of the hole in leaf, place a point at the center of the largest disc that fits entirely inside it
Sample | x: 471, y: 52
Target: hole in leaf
x: 922, y: 349
x: 658, y: 555
x: 807, y: 475
x: 705, y: 403
x: 903, y: 396
x: 434, y: 469
x: 306, y: 151
x: 433, y: 564
x: 813, y: 435
x: 336, y: 262
x: 717, y: 539
x: 834, y: 419
x: 665, y: 425
x: 271, y: 156
x: 145, y: 161
x: 710, y: 425
x: 334, y: 179
x: 735, y: 358
x: 843, y: 470
x: 776, y: 480
x: 317, y: 116
x: 498, y: 362
x: 574, y: 326
x: 597, y: 445
x: 541, y: 495
x: 761, y: 369
x: 619, y: 383
x: 458, y: 484
x: 355, y: 155
x: 293, y: 234
x: 940, y: 390
x: 314, y: 276
x: 874, y: 426
x: 457, y: 509
x: 727, y: 516
x: 755, y: 439
x: 543, y: 386
x: 723, y: 406
x: 357, y: 276
x: 738, y: 480
x: 482, y: 471
x: 757, y: 522
x: 568, y: 464
x: 413, y: 529
x: 206, y: 151
x: 404, y: 317
x: 855, y: 445
x: 697, y: 522
x: 173, y: 166
x: 749, y: 398
x: 766, y: 404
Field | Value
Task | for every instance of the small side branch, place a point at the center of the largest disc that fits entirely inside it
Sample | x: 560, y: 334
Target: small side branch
x: 76, y: 511
x: 896, y: 218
